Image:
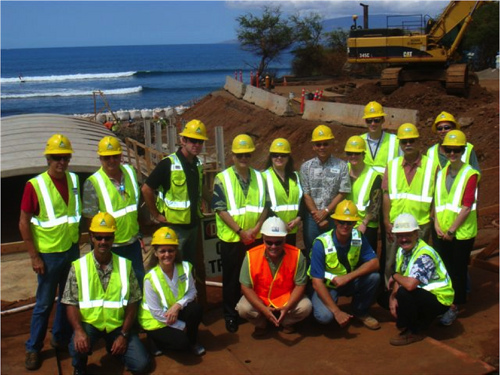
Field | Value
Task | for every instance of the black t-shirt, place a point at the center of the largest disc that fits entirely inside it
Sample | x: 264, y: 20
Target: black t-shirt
x: 160, y: 176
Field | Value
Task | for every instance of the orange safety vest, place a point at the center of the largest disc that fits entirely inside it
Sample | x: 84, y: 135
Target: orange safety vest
x: 273, y: 291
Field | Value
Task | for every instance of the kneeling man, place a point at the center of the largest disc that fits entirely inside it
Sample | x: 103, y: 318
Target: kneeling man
x: 273, y: 281
x: 344, y: 264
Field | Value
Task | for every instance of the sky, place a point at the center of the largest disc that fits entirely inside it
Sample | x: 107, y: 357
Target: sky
x: 42, y: 24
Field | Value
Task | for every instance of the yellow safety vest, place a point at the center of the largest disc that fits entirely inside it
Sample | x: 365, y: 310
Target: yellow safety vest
x: 387, y: 151
x: 441, y: 287
x: 55, y: 228
x: 285, y: 206
x: 110, y: 200
x: 360, y: 192
x: 333, y: 267
x: 449, y: 204
x: 245, y: 210
x: 433, y: 154
x: 175, y: 204
x: 167, y: 298
x: 416, y: 198
x: 104, y: 309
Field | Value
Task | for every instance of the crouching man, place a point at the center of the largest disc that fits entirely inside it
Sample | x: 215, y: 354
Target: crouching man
x: 101, y: 295
x: 273, y: 281
x: 421, y: 287
x: 344, y: 264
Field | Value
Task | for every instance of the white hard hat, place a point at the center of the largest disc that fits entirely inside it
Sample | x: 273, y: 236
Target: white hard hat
x: 405, y: 223
x: 274, y: 227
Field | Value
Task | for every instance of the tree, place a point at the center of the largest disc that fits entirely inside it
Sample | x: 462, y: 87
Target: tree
x: 267, y: 36
x: 308, y: 53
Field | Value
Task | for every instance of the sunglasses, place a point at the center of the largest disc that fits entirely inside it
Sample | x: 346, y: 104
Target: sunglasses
x: 409, y: 141
x: 353, y: 153
x: 245, y: 155
x: 105, y: 238
x: 165, y: 251
x: 195, y: 141
x: 373, y: 120
x: 321, y: 144
x: 59, y: 158
x: 348, y: 223
x: 443, y: 127
x: 449, y: 150
x: 275, y: 243
x: 111, y: 157
x: 275, y: 156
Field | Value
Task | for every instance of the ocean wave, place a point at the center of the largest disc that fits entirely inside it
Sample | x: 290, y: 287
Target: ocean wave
x: 66, y: 93
x: 67, y: 77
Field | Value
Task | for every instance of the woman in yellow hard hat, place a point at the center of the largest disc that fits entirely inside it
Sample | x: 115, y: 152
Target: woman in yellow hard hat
x: 169, y: 312
x: 283, y: 187
x: 444, y: 123
x: 455, y: 218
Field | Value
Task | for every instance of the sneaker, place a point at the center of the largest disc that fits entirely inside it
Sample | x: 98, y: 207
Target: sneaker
x: 32, y: 361
x: 369, y: 322
x: 406, y: 338
x: 232, y: 325
x: 289, y: 329
x: 197, y: 349
x: 155, y: 351
x: 449, y: 316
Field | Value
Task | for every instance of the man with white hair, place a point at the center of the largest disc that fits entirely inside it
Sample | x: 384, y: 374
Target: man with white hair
x: 273, y: 281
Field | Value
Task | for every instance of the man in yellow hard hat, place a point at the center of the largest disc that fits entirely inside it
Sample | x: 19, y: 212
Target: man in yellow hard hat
x: 102, y: 296
x: 178, y: 181
x: 408, y: 186
x: 273, y: 281
x: 344, y: 264
x: 49, y: 226
x: 239, y: 201
x: 114, y: 189
x: 325, y: 182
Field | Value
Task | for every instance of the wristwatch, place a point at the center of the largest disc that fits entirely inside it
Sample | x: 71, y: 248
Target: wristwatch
x: 450, y: 233
x: 126, y: 335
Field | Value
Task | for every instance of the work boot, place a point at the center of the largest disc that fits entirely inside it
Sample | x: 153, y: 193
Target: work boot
x: 369, y: 322
x: 260, y: 332
x: 32, y: 361
x: 289, y: 329
x: 405, y: 338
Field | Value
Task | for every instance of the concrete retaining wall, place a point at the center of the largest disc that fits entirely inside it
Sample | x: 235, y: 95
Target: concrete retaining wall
x: 352, y: 114
x: 264, y: 99
x: 235, y: 87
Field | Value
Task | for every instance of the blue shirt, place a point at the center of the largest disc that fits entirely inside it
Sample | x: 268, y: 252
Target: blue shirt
x: 318, y: 255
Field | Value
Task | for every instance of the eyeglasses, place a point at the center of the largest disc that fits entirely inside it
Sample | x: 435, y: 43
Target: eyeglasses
x: 111, y: 157
x: 59, y: 158
x: 449, y: 150
x: 353, y: 153
x: 408, y: 141
x: 245, y: 155
x: 105, y: 238
x: 321, y: 144
x: 275, y: 156
x: 275, y: 243
x: 376, y: 120
x: 443, y: 127
x: 348, y: 223
x: 195, y: 141
x: 165, y: 251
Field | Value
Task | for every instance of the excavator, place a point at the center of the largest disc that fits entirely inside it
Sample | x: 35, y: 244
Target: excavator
x: 417, y: 50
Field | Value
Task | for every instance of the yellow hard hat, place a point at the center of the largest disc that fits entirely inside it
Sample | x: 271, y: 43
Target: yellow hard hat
x: 165, y: 236
x: 281, y: 146
x: 103, y: 222
x: 455, y: 138
x: 195, y: 129
x: 445, y: 117
x: 109, y: 146
x: 58, y: 144
x: 374, y: 109
x: 242, y: 144
x: 346, y: 211
x: 355, y: 144
x: 322, y: 133
x: 407, y: 131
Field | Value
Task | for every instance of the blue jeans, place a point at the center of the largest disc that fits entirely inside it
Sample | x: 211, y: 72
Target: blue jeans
x: 57, y: 267
x: 188, y: 242
x: 136, y: 358
x: 312, y: 230
x: 133, y: 252
x: 362, y: 290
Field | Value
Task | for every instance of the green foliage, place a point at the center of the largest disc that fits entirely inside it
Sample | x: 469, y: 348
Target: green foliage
x: 483, y: 35
x: 266, y: 36
x: 337, y: 40
x: 307, y: 30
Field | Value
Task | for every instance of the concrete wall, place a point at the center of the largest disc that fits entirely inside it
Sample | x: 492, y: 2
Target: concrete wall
x: 235, y: 87
x: 352, y: 114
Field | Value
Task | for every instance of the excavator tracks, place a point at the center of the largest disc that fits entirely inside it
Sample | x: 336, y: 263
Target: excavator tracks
x: 457, y: 79
x: 390, y: 79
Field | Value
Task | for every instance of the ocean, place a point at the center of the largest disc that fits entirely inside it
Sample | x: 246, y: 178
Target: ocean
x: 62, y: 80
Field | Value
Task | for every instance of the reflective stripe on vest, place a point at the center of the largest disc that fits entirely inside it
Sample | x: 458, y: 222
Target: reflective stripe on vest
x: 360, y: 192
x: 387, y: 151
x: 433, y: 154
x: 272, y: 194
x: 52, y: 220
x: 233, y: 209
x: 398, y: 173
x: 176, y: 166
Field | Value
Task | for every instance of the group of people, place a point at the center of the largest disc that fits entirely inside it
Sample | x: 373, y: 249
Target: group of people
x: 387, y: 187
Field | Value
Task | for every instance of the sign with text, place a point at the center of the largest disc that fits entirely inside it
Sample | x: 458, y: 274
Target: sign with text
x: 211, y: 247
